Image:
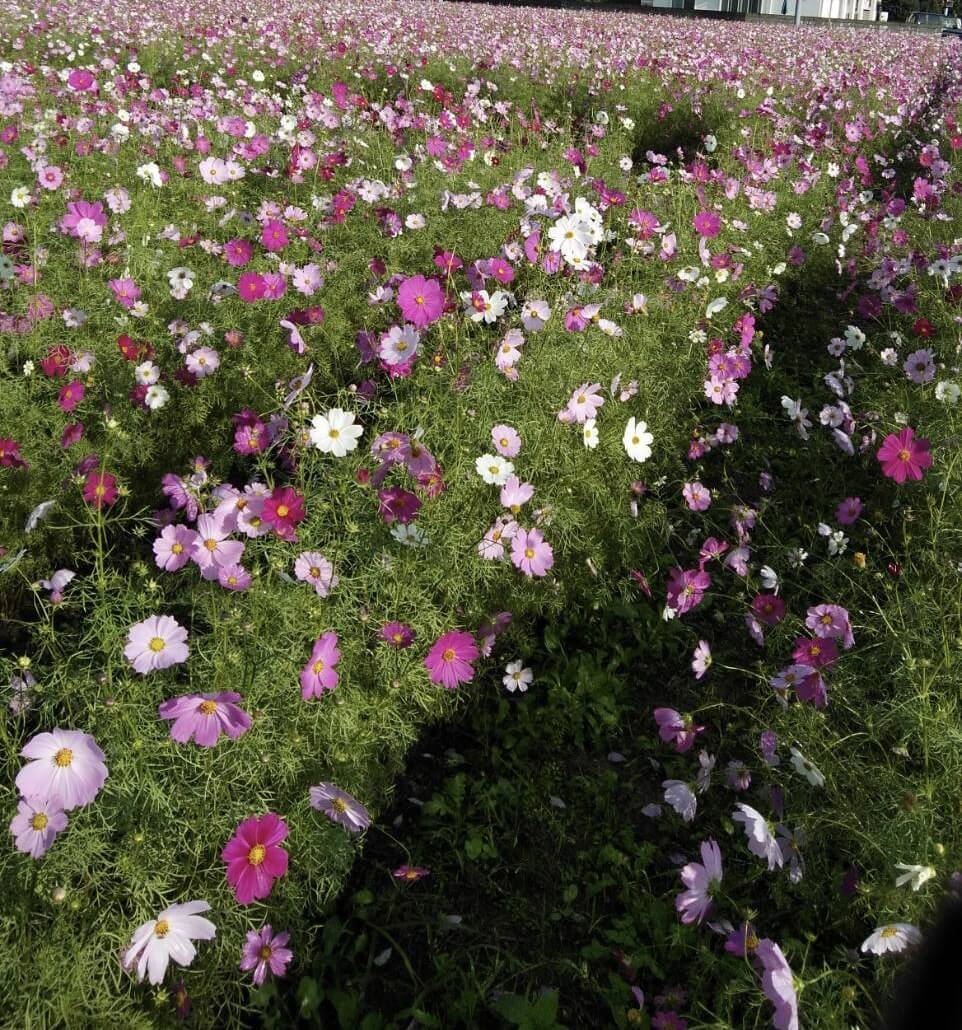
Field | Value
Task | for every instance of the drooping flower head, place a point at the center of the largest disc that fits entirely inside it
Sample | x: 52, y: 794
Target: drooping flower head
x: 449, y: 660
x: 340, y: 807
x: 169, y: 936
x: 204, y: 717
x: 65, y: 767
x: 254, y: 857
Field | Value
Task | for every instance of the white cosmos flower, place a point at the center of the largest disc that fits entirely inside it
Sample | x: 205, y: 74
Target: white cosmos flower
x: 494, y: 469
x: 717, y: 305
x: 20, y: 197
x: 516, y: 677
x: 893, y: 938
x: 805, y: 768
x: 590, y: 433
x: 916, y: 875
x: 335, y: 433
x: 167, y: 937
x: 947, y: 392
x: 156, y: 397
x: 146, y: 373
x: 638, y: 440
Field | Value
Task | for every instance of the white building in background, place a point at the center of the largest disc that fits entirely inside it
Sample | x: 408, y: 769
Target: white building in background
x: 851, y: 10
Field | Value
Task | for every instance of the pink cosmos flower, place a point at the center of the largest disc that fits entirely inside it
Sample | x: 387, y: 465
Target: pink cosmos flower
x: 312, y: 567
x: 156, y: 643
x: 410, y: 873
x: 449, y: 660
x: 686, y: 588
x: 237, y: 252
x: 697, y: 497
x: 100, y: 488
x: 204, y: 717
x: 340, y: 807
x: 701, y: 880
x: 126, y: 292
x: 903, y: 457
x: 849, y: 511
x: 71, y: 395
x: 233, y: 577
x: 817, y: 653
x: 397, y: 634
x: 832, y: 621
x: 761, y: 840
x: 421, y: 300
x: 677, y: 730
x: 778, y: 985
x: 507, y: 441
x: 583, y: 404
x: 251, y: 287
x: 212, y: 548
x: 274, y: 235
x: 254, y: 858
x: 701, y: 659
x: 531, y: 553
x: 768, y: 608
x: 515, y: 494
x: 65, y: 767
x: 174, y: 547
x: 318, y: 676
x: 283, y: 510
x: 707, y: 224
x: 202, y: 362
x: 36, y: 824
x: 81, y: 80
x: 266, y: 951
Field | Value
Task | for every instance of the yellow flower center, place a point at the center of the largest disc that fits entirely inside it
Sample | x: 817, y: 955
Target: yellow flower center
x: 256, y: 854
x: 334, y: 433
x: 318, y: 666
x: 903, y: 456
x: 211, y: 544
x: 282, y: 511
x: 99, y: 490
x: 529, y: 552
x: 265, y: 952
x: 889, y: 931
x: 503, y: 441
x: 411, y: 874
x: 207, y: 707
x: 156, y: 644
x: 339, y: 805
x: 314, y: 571
x: 39, y: 821
x: 176, y: 548
x: 419, y: 299
x: 448, y: 655
x: 636, y: 439
x: 63, y: 757
x: 161, y: 928
x: 397, y: 637
x: 493, y: 469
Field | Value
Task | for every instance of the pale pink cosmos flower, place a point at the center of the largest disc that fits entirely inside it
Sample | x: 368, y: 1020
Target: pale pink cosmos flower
x: 212, y: 548
x: 701, y: 880
x: 515, y: 494
x: 507, y: 441
x: 583, y: 403
x: 156, y: 643
x: 174, y: 547
x: 701, y: 659
x: 531, y: 553
x: 65, y: 766
x: 319, y: 675
x: 492, y: 544
x: 203, y: 362
x: 233, y: 577
x: 36, y: 824
x: 203, y: 717
x: 312, y: 567
x: 169, y: 936
x: 340, y: 807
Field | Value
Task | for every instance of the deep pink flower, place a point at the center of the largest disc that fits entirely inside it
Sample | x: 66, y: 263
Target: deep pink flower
x: 397, y: 634
x: 274, y: 235
x: 283, y: 510
x: 126, y: 291
x: 251, y: 287
x: 768, y: 608
x: 254, y: 858
x: 449, y: 660
x: 686, y: 588
x: 421, y: 300
x: 410, y: 873
x: 238, y: 252
x: 72, y: 433
x: 265, y: 951
x: 816, y: 653
x: 707, y: 224
x: 71, y: 394
x: 10, y: 454
x: 903, y: 457
x: 100, y: 489
x: 204, y: 717
x: 319, y: 675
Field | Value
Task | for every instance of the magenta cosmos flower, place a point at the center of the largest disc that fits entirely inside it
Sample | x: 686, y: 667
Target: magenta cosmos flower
x: 100, y: 488
x: 420, y: 300
x: 701, y: 880
x: 531, y: 553
x: 410, y: 873
x: 318, y: 675
x: 397, y: 634
x: 449, y: 660
x: 254, y: 858
x: 66, y: 767
x: 204, y: 717
x: 37, y: 822
x: 686, y: 588
x: 903, y: 457
x: 340, y: 807
x: 283, y: 510
x: 676, y: 729
x: 266, y: 951
x: 156, y: 643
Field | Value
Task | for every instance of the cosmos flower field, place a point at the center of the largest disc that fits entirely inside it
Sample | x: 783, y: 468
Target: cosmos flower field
x: 344, y: 346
